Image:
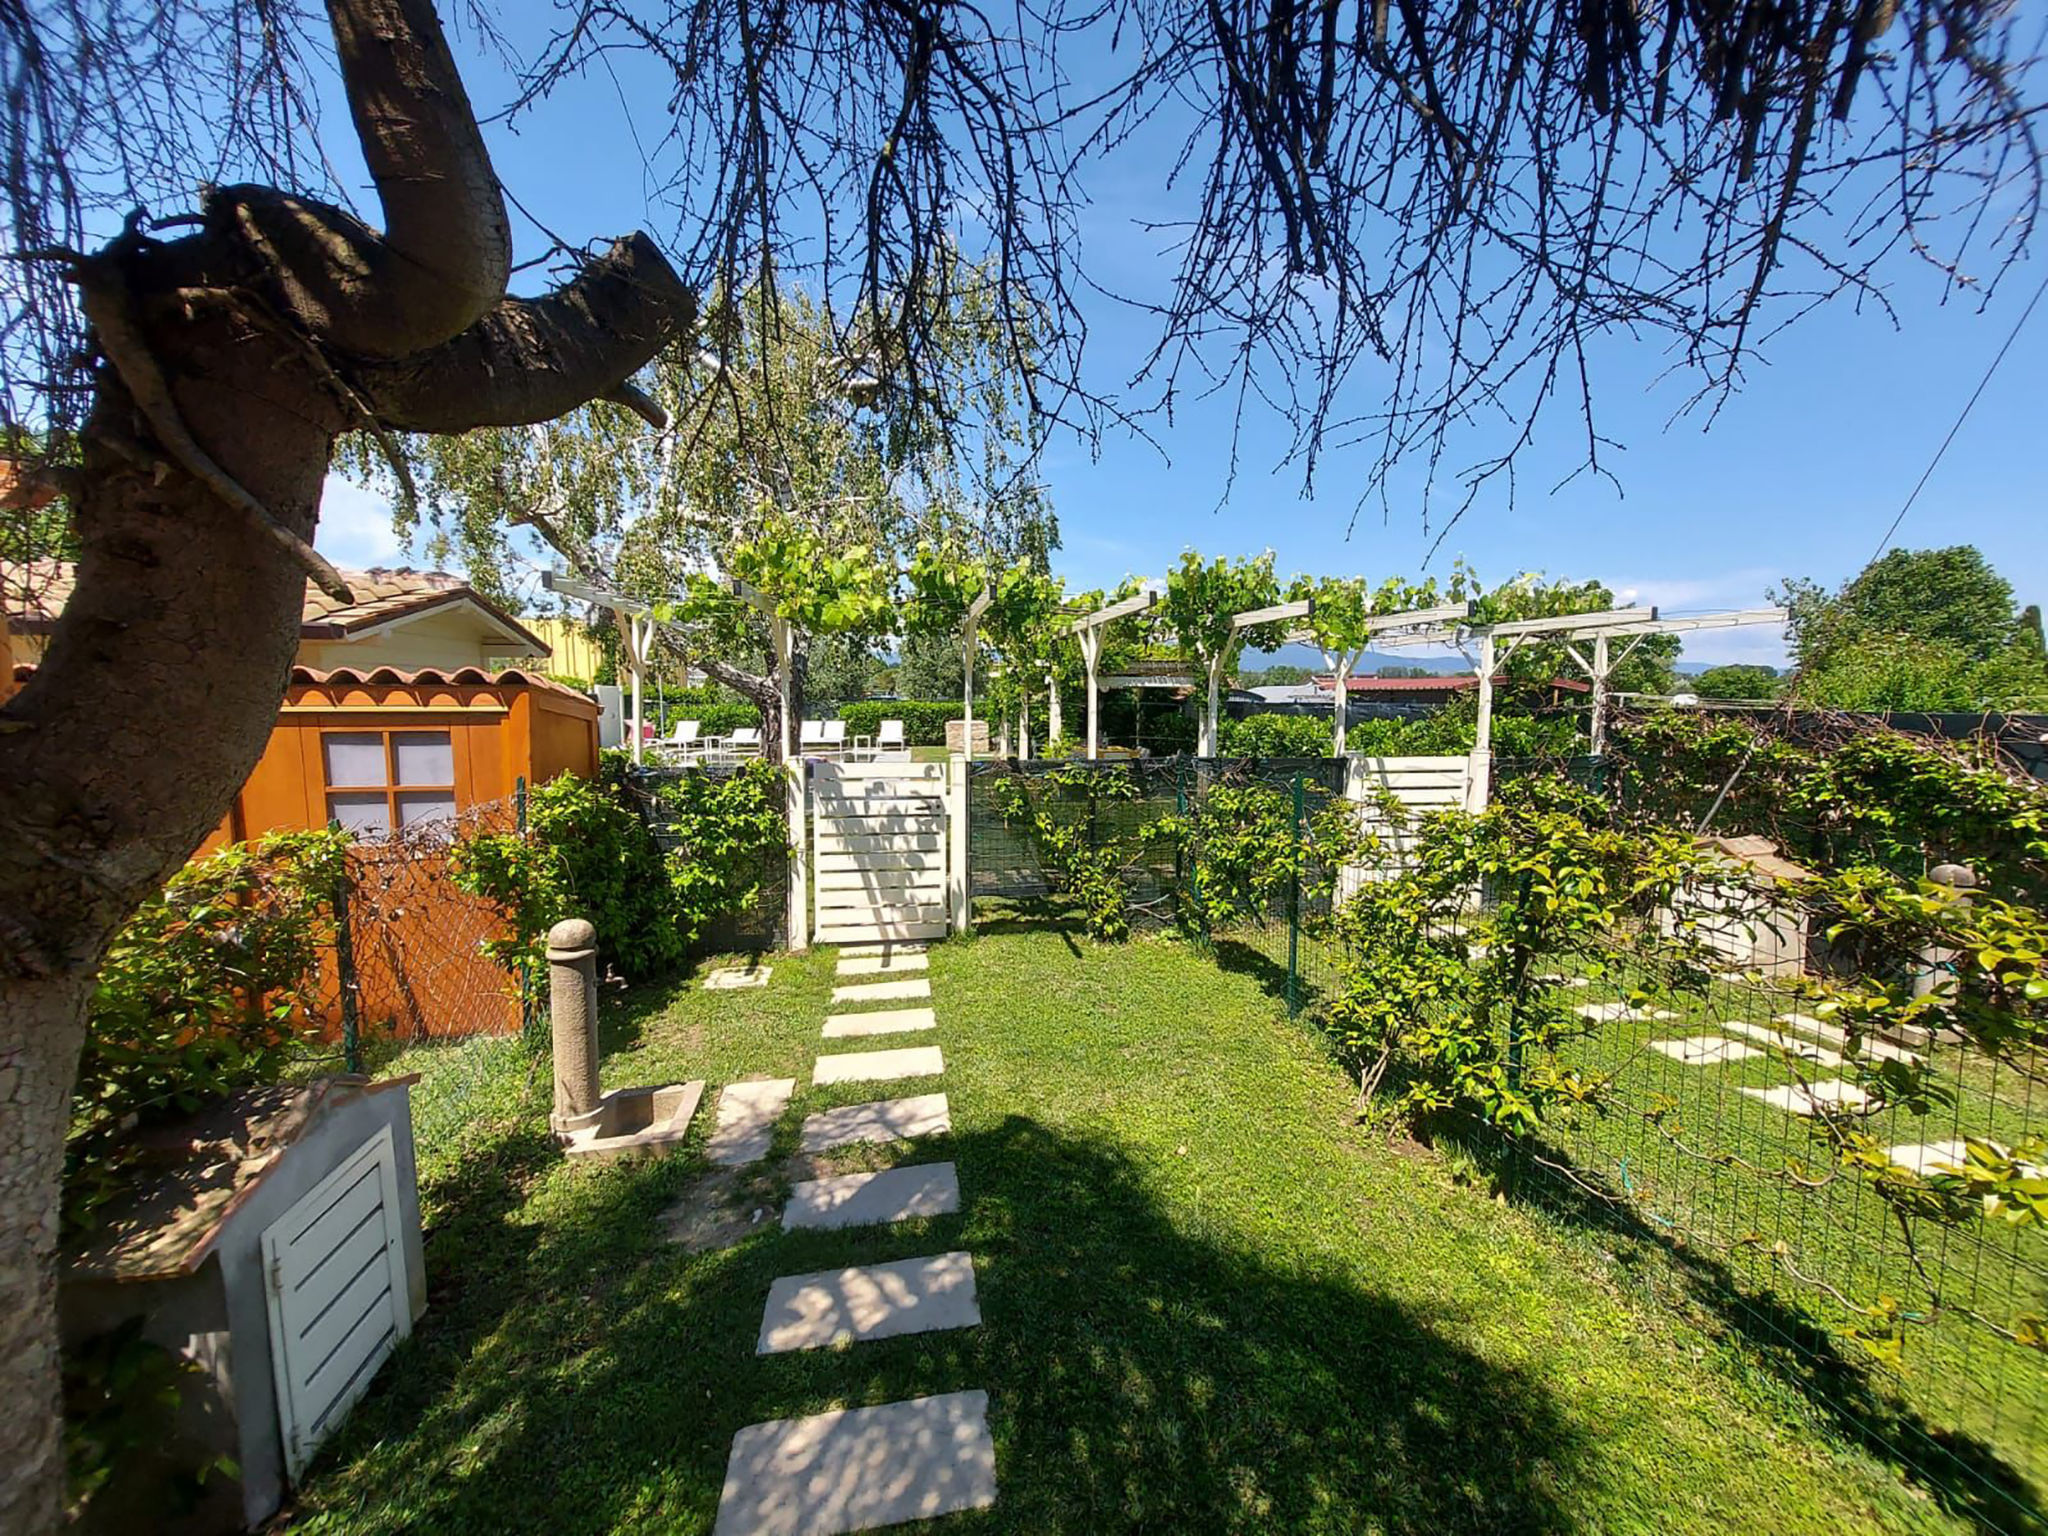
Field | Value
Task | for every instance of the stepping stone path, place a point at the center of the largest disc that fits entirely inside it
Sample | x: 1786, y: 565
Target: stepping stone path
x: 882, y: 991
x: 926, y: 1114
x: 1938, y: 1157
x: 747, y: 1113
x: 1704, y: 1050
x: 880, y: 1021
x: 729, y: 978
x: 860, y: 1468
x: 1812, y: 1098
x: 1837, y: 1036
x: 870, y: 965
x: 869, y: 1301
x: 1771, y: 1034
x: 871, y: 1199
x: 878, y: 1066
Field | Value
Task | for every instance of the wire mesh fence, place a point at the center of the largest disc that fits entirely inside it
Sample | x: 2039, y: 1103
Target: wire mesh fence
x: 1810, y: 1190
x: 1181, y: 837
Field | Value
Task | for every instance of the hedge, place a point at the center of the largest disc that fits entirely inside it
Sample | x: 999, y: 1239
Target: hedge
x: 924, y: 722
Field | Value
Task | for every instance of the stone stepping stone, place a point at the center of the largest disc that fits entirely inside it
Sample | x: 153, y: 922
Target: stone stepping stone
x: 1559, y: 979
x: 1811, y: 1098
x: 878, y: 1066
x: 872, y: 1199
x: 729, y: 978
x: 1936, y: 1157
x: 881, y: 1021
x: 747, y: 1113
x: 1608, y: 1013
x: 1771, y: 1034
x: 857, y: 1468
x: 869, y: 1301
x: 1704, y: 1050
x: 885, y: 947
x: 924, y: 1114
x: 872, y: 965
x: 1833, y: 1034
x: 883, y: 991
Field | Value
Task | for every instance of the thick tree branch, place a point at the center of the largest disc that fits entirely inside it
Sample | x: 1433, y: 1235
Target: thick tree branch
x: 533, y: 359
x: 445, y: 253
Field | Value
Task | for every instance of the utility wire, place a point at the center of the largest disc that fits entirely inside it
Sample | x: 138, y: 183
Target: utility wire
x: 1785, y: 705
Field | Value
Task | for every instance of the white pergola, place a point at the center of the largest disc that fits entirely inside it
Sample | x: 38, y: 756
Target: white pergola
x: 1600, y: 665
x: 969, y: 623
x: 1279, y: 613
x: 636, y: 629
x: 1492, y: 653
x: 1088, y: 629
x: 1377, y: 626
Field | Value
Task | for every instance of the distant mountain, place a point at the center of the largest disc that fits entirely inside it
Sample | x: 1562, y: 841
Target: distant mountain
x: 1308, y: 656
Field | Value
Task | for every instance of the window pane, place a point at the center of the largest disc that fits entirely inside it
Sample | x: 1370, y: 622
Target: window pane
x: 354, y: 758
x: 366, y: 815
x: 424, y: 757
x: 420, y: 808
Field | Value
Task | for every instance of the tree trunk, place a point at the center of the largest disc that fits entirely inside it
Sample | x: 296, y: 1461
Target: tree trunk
x: 35, y: 1104
x: 764, y: 692
x: 232, y: 358
x: 120, y: 754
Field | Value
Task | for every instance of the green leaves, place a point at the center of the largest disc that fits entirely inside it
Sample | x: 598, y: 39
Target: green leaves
x: 1202, y: 598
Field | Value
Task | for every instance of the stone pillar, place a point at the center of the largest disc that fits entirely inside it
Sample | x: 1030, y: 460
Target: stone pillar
x: 572, y: 1009
x: 1933, y: 974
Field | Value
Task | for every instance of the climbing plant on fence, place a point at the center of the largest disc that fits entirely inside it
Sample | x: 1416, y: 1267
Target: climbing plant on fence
x: 1876, y: 796
x: 206, y: 991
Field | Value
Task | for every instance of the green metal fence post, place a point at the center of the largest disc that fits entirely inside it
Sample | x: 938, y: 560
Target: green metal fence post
x: 345, y: 980
x: 1294, y: 911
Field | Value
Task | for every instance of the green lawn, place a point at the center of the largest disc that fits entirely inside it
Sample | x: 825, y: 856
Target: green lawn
x: 1211, y: 1303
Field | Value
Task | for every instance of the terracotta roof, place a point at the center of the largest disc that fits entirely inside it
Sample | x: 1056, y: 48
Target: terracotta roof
x: 459, y: 677
x: 34, y: 592
x: 373, y: 677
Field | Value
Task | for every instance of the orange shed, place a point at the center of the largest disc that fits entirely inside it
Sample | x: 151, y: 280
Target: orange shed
x: 386, y: 750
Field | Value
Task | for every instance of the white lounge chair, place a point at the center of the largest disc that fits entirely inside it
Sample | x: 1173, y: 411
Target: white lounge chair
x: 834, y: 744
x: 811, y: 739
x: 683, y: 742
x: 890, y: 742
x: 746, y: 742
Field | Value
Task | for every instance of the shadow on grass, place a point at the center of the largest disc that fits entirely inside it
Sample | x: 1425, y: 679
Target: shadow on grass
x: 1963, y: 1474
x: 589, y: 1379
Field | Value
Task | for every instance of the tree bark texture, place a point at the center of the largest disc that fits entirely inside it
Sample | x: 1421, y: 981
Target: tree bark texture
x: 231, y: 359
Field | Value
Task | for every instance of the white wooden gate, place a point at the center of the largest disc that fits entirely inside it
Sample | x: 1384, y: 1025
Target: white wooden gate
x: 335, y: 1271
x: 880, y: 851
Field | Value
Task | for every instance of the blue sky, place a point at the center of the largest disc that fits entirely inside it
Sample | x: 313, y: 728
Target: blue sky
x: 1800, y: 474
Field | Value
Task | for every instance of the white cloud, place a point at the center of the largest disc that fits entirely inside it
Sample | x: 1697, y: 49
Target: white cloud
x: 355, y: 527
x: 1678, y: 597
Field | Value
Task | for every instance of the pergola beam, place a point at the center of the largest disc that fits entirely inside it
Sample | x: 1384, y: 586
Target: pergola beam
x: 1088, y: 630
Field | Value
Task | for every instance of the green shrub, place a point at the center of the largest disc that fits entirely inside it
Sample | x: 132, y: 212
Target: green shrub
x: 587, y: 852
x: 924, y: 722
x: 1276, y: 736
x: 205, y: 992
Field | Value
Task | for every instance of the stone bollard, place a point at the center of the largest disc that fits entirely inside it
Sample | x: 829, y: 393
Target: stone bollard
x: 1934, y: 960
x: 572, y: 1009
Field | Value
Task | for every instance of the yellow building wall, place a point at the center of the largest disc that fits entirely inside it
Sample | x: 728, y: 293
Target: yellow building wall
x: 447, y: 639
x: 576, y: 652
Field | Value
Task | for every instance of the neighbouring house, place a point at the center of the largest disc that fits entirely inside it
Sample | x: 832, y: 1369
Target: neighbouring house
x: 400, y: 618
x: 392, y: 723
x: 1369, y: 696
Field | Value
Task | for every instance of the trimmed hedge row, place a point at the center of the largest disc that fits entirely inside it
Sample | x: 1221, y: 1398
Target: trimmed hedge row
x: 924, y: 722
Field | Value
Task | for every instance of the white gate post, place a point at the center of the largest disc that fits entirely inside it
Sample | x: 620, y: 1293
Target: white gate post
x: 1479, y: 777
x: 796, y: 772
x: 958, y: 912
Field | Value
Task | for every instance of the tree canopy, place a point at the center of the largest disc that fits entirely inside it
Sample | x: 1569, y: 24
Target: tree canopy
x: 1925, y: 629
